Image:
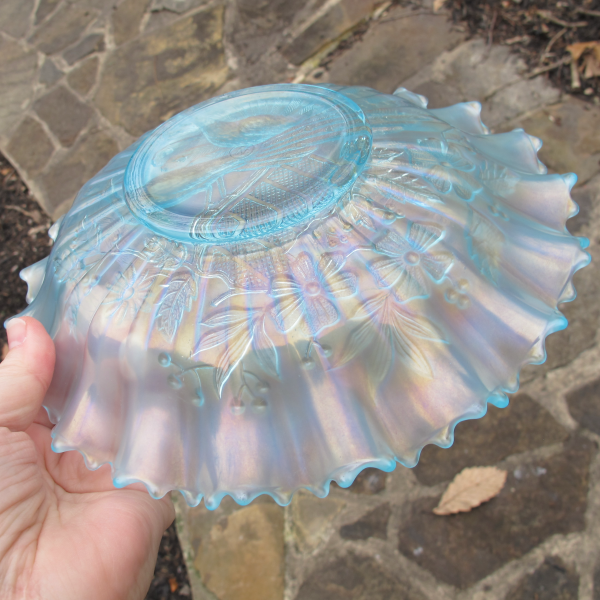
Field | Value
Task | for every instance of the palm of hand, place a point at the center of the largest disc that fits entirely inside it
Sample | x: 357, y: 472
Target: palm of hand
x: 65, y: 531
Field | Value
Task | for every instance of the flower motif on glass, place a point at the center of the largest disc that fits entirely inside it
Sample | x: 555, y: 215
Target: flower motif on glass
x: 306, y: 296
x: 409, y: 259
x: 129, y: 292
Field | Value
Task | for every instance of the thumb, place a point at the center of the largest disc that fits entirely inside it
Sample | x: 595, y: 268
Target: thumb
x: 25, y: 373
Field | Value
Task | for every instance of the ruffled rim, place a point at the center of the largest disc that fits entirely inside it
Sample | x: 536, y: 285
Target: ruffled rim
x: 344, y: 476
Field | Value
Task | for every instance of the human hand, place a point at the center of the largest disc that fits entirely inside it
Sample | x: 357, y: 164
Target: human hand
x: 65, y: 531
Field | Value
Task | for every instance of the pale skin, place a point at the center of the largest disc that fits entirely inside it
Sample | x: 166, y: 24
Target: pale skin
x: 65, y: 532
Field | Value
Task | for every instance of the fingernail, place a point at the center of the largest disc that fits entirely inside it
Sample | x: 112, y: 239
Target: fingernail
x: 16, y: 330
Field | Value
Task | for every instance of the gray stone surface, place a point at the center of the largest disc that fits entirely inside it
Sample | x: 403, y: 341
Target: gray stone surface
x: 44, y: 9
x: 18, y: 70
x: 569, y: 131
x: 64, y: 113
x: 372, y: 524
x: 127, y: 19
x: 82, y: 78
x: 49, y: 73
x: 89, y: 44
x: 354, y: 577
x: 69, y: 172
x: 490, y: 75
x: 541, y: 498
x: 63, y: 28
x: 30, y: 146
x: 523, y: 426
x: 584, y: 406
x: 553, y: 580
x: 393, y: 49
x: 154, y: 77
x: 327, y: 21
x: 176, y: 6
x: 15, y: 16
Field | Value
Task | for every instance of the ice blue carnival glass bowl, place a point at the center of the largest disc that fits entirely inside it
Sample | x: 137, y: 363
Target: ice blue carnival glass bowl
x: 286, y: 284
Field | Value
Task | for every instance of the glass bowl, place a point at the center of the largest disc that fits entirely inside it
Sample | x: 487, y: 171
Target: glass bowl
x: 287, y: 284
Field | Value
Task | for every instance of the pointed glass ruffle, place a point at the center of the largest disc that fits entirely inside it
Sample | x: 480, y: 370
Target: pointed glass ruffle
x: 285, y: 285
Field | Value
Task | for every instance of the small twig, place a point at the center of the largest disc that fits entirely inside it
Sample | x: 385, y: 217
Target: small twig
x: 546, y: 14
x: 552, y: 40
x: 587, y: 11
x: 492, y: 25
x: 551, y: 67
x: 575, y: 81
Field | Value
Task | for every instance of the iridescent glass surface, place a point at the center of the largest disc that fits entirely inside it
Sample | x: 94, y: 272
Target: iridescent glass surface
x: 284, y: 285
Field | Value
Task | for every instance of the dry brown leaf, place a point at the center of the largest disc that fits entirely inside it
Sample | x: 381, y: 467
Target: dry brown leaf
x: 578, y: 49
x: 470, y: 488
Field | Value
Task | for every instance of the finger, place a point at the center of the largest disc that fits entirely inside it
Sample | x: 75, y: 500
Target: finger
x: 25, y: 373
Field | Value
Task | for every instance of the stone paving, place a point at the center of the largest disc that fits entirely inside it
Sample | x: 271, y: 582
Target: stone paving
x: 80, y: 80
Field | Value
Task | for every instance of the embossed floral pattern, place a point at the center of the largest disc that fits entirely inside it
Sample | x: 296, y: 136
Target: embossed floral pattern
x: 129, y: 292
x: 307, y: 295
x: 409, y: 259
x: 390, y: 332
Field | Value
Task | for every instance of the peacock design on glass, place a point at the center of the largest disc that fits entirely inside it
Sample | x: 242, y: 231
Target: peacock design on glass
x: 287, y: 284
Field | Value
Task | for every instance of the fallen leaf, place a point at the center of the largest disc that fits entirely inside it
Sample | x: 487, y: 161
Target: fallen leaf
x: 470, y: 488
x: 438, y: 4
x: 578, y: 49
x: 590, y: 53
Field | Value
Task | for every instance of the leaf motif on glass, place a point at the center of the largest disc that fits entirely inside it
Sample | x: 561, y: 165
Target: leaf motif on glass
x: 180, y: 291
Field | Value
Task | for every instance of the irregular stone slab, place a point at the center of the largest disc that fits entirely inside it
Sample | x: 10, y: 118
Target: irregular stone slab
x: 523, y: 425
x: 373, y: 524
x: 583, y: 315
x: 584, y: 406
x: 49, y: 73
x: 147, y: 80
x: 30, y: 147
x: 538, y: 500
x: 63, y: 113
x: 569, y: 132
x: 63, y: 28
x: 369, y: 481
x: 513, y: 100
x: 89, y: 44
x: 393, y: 49
x: 17, y: 73
x: 471, y: 71
x: 587, y: 197
x: 257, y: 26
x: 552, y: 580
x: 241, y: 555
x: 492, y: 76
x: 312, y: 519
x: 66, y: 176
x: 177, y: 6
x: 83, y: 77
x: 126, y: 20
x: 353, y: 577
x: 324, y: 25
x: 14, y: 16
x: 45, y: 8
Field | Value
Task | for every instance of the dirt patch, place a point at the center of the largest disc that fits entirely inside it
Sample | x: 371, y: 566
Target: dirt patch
x: 23, y: 240
x: 541, y: 31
